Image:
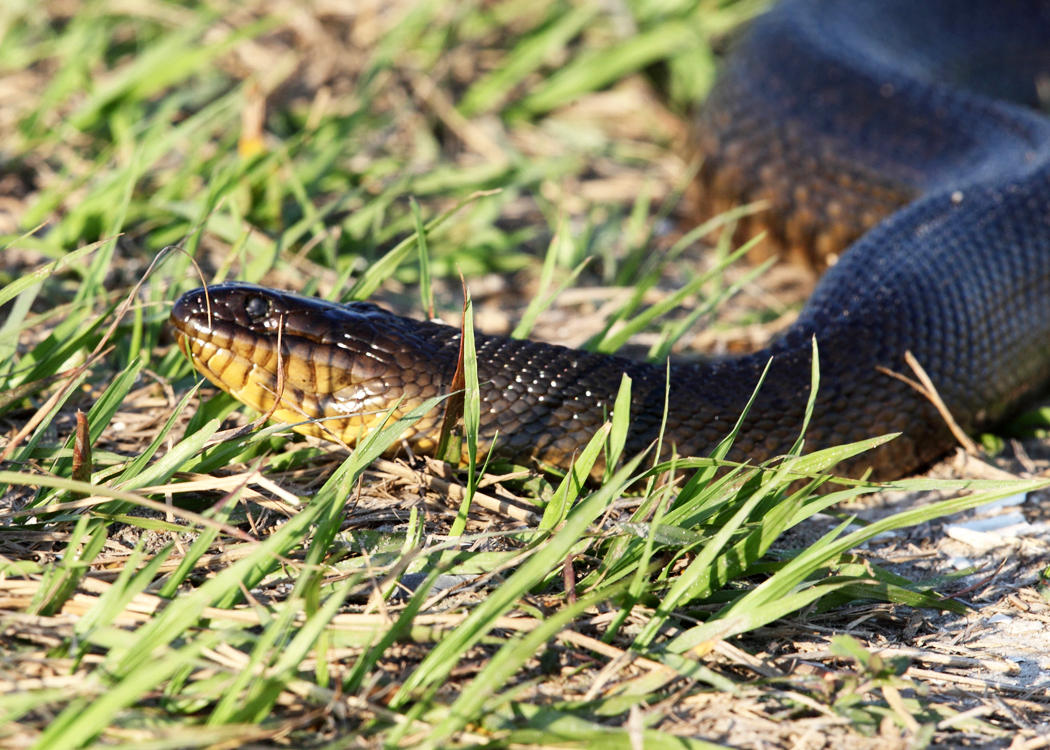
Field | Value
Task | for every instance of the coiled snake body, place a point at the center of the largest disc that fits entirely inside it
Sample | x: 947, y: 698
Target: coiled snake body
x: 837, y: 113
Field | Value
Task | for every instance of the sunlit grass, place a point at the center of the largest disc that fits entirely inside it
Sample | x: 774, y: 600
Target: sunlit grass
x: 403, y: 143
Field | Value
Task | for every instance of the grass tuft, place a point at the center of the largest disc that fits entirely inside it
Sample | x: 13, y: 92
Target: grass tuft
x: 185, y: 588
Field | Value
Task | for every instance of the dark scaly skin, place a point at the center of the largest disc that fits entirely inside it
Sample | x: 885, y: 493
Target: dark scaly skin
x: 826, y: 96
x: 840, y: 112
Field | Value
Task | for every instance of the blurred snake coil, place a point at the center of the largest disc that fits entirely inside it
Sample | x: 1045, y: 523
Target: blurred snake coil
x: 901, y: 137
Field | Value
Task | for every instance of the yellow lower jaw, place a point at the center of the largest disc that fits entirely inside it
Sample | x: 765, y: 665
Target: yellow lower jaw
x: 254, y: 385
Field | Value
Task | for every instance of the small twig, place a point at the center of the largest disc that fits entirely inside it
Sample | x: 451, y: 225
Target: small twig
x: 981, y: 583
x: 569, y: 576
x: 455, y: 491
x: 924, y: 385
x: 82, y: 463
x: 135, y: 499
x: 48, y: 405
x: 279, y: 395
x: 961, y: 679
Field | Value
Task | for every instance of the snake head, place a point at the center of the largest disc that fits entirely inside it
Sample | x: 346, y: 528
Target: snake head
x: 344, y: 364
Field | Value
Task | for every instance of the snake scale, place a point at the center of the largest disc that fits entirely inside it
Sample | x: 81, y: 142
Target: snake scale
x: 899, y: 139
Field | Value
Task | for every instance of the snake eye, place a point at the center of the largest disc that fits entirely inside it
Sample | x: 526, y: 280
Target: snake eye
x: 257, y: 308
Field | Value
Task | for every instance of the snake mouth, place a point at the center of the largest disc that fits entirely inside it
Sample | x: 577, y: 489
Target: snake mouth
x: 302, y: 358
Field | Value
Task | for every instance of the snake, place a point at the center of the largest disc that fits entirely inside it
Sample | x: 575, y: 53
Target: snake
x: 897, y: 144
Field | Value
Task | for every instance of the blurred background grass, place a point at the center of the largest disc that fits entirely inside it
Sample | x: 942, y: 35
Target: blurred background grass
x: 292, y: 144
x: 280, y: 137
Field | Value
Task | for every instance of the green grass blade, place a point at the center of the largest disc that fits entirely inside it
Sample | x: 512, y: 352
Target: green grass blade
x: 600, y: 67
x: 477, y: 698
x: 528, y: 54
x: 436, y: 666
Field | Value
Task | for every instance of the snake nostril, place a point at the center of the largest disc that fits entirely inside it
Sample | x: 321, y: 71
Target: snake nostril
x: 257, y: 307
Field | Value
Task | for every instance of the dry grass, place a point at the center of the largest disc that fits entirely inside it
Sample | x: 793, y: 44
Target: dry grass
x: 180, y: 605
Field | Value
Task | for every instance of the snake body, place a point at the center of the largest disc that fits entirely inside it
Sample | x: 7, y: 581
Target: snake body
x: 901, y: 123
